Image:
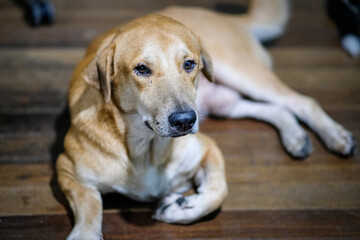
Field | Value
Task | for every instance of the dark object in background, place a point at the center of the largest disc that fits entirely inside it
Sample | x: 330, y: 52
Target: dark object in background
x: 346, y: 16
x: 37, y: 12
x: 230, y: 8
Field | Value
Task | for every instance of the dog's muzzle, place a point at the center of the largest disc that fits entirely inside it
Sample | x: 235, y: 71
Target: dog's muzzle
x: 178, y: 124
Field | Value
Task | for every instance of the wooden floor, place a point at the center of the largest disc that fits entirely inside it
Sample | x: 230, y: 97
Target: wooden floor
x: 271, y: 195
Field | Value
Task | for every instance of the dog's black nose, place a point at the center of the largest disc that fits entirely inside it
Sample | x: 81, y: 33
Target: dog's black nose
x: 183, y: 121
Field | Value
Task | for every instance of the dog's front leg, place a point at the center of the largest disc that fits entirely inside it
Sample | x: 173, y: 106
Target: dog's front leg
x: 85, y: 203
x: 211, y: 192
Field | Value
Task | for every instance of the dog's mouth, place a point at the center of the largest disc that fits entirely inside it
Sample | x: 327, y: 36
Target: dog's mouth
x: 174, y: 133
x: 148, y: 125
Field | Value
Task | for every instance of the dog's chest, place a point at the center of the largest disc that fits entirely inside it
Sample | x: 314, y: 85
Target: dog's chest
x: 153, y: 183
x: 147, y: 184
x: 159, y: 168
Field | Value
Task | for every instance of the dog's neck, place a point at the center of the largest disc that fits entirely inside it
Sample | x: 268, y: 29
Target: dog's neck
x: 145, y: 147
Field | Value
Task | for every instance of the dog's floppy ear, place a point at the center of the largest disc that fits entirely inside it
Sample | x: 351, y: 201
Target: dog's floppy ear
x: 99, y: 73
x: 207, y: 65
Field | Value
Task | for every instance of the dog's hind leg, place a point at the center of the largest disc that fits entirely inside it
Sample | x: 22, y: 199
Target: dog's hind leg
x: 85, y: 202
x: 228, y: 103
x: 260, y: 83
x: 210, y: 193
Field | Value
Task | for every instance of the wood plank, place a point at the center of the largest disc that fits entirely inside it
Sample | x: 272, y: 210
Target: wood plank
x: 80, y: 19
x: 32, y: 102
x: 68, y: 57
x: 38, y: 107
x: 309, y: 25
x: 342, y: 79
x: 237, y: 139
x: 226, y: 225
x: 311, y: 57
x: 23, y: 122
x: 40, y: 58
x: 340, y: 82
x: 43, y: 80
x: 54, y: 101
x: 32, y: 147
x: 301, y: 186
x: 259, y: 181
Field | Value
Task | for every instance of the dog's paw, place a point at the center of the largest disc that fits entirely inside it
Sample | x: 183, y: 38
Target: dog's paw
x: 77, y: 234
x: 176, y: 208
x: 340, y: 141
x: 297, y: 143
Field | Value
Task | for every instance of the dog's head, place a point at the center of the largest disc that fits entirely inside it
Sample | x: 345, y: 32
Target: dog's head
x: 151, y: 68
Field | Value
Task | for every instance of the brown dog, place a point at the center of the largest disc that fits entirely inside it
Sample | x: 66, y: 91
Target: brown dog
x: 128, y: 100
x: 135, y: 91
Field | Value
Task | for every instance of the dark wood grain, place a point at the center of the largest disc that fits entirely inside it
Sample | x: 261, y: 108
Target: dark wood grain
x: 86, y: 20
x: 226, y: 225
x: 256, y: 181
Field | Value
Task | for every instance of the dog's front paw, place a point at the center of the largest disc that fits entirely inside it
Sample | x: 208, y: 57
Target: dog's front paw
x: 176, y: 208
x: 78, y: 234
x: 340, y: 141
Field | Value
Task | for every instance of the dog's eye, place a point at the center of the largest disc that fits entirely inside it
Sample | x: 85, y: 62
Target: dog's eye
x: 141, y: 69
x: 189, y: 65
